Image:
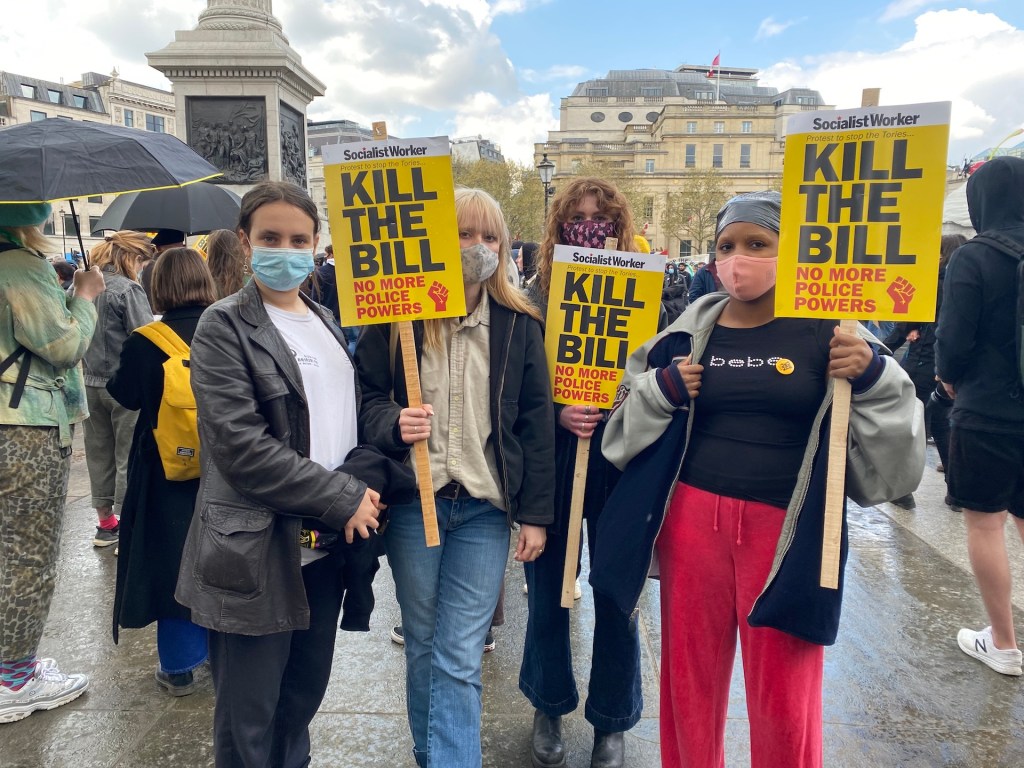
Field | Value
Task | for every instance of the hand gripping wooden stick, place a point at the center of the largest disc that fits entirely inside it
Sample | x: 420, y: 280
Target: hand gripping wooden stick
x: 835, y: 489
x: 579, y: 487
x: 421, y: 456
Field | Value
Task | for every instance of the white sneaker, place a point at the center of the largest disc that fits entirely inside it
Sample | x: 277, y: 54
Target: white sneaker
x: 48, y: 688
x: 980, y: 646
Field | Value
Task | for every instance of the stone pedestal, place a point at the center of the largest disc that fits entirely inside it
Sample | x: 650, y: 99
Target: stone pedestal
x: 241, y: 93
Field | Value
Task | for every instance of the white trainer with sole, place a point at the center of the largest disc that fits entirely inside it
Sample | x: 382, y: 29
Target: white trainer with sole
x: 980, y: 646
x: 49, y: 688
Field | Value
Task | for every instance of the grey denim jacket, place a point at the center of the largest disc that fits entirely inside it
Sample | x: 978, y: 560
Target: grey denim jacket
x: 120, y: 309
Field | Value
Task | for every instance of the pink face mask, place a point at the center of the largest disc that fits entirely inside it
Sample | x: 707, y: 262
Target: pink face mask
x: 747, y: 277
x: 587, y: 234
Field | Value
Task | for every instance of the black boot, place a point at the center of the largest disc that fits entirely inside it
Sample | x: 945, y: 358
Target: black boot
x: 906, y: 502
x: 547, y: 749
x: 609, y: 750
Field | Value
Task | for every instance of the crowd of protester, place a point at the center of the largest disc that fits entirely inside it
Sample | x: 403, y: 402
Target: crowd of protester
x: 304, y: 480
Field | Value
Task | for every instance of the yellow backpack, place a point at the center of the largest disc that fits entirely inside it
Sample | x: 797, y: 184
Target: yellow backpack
x: 176, y: 433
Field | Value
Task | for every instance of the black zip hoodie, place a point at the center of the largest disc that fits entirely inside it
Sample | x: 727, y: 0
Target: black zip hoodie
x: 975, y: 343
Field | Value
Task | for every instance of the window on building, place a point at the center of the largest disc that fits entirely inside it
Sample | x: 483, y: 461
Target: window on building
x: 691, y: 155
x: 704, y: 95
x: 744, y: 155
x: 746, y: 126
x: 652, y: 92
x: 70, y: 227
x: 54, y: 95
x: 806, y: 100
x: 719, y: 126
x: 685, y: 249
x: 649, y: 166
x: 36, y: 115
x: 129, y: 118
x: 691, y: 126
x: 592, y: 92
x: 81, y: 101
x: 154, y: 123
x: 576, y: 165
x: 94, y: 223
x: 716, y: 156
x: 648, y: 207
x: 95, y: 198
x: 28, y: 91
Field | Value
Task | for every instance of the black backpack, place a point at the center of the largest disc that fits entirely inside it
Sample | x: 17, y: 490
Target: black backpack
x: 1014, y: 250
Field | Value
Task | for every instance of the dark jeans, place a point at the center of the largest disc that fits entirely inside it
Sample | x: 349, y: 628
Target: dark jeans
x: 615, y: 697
x: 268, y: 687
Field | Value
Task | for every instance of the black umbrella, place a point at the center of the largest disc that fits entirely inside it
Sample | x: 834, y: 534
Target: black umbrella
x: 195, y: 208
x: 60, y: 159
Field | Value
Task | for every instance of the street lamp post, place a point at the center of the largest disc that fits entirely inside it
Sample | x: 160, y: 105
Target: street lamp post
x: 63, y: 233
x: 546, y: 169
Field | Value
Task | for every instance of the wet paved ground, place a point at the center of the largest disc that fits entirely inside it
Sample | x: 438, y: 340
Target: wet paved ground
x: 898, y: 692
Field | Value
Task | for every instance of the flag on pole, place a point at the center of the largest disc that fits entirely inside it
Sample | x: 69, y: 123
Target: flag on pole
x: 714, y: 64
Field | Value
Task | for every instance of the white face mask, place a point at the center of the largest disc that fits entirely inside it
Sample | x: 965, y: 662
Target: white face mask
x: 478, y: 263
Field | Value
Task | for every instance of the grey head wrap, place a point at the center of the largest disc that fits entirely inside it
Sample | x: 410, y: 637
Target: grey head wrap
x: 761, y: 208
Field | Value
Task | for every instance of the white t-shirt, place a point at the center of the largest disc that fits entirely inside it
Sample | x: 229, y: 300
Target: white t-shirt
x: 328, y: 381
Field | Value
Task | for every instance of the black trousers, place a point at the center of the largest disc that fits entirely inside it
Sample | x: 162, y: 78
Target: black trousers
x: 269, y: 687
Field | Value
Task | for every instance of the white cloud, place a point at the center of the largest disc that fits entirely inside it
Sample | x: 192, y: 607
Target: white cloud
x: 424, y: 66
x: 900, y: 9
x: 769, y: 27
x: 513, y: 126
x: 975, y: 60
x: 558, y: 72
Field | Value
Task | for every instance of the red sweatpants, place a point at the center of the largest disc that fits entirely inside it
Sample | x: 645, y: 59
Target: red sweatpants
x: 715, y: 554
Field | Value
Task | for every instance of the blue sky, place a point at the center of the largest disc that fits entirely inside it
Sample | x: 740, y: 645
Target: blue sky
x: 498, y: 67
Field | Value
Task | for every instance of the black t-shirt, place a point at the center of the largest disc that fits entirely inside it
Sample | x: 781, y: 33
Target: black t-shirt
x: 752, y: 420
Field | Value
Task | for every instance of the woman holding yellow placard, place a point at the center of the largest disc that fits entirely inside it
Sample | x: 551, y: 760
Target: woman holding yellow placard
x: 487, y: 422
x: 723, y: 424
x: 584, y: 213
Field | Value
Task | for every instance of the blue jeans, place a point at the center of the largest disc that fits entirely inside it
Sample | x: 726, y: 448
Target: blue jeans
x: 447, y: 595
x: 181, y: 645
x: 615, y: 697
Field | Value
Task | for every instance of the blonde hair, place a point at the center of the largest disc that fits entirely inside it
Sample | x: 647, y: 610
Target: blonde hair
x: 476, y: 207
x: 610, y: 201
x: 29, y: 237
x: 227, y: 261
x: 121, y: 250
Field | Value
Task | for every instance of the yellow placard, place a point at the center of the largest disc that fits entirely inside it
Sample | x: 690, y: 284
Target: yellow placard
x: 602, y: 305
x: 862, y: 196
x: 391, y: 205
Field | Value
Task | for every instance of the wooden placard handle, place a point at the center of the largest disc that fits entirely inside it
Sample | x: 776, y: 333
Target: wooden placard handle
x: 572, y: 545
x: 835, y: 489
x: 421, y: 455
x: 579, y: 487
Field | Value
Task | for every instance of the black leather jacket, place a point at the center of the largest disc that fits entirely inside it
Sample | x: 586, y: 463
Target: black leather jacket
x: 240, y: 570
x: 522, y: 420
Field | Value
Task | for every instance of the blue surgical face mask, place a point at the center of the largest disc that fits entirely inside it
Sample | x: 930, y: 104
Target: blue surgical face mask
x: 282, y: 269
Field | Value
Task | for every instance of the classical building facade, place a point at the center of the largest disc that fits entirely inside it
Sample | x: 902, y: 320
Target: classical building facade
x: 661, y: 128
